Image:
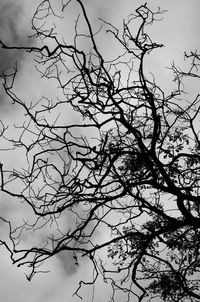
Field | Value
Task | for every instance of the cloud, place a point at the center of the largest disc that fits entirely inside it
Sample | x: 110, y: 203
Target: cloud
x: 13, y: 32
x: 10, y: 33
x: 10, y: 14
x: 68, y: 263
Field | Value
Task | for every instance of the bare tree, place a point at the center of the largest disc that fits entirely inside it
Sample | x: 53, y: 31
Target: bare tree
x: 127, y: 165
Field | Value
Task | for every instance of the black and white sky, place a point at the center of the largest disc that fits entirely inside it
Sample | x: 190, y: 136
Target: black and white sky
x: 179, y: 31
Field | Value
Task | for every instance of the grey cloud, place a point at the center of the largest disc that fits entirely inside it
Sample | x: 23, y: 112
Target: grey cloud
x: 68, y: 262
x: 9, y: 15
x: 12, y: 33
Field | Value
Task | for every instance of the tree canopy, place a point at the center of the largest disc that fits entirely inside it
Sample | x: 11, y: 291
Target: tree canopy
x: 111, y: 165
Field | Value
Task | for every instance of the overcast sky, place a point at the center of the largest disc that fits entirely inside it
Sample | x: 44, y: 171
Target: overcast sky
x: 179, y: 31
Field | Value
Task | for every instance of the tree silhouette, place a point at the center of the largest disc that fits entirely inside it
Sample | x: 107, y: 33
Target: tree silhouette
x: 126, y: 165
